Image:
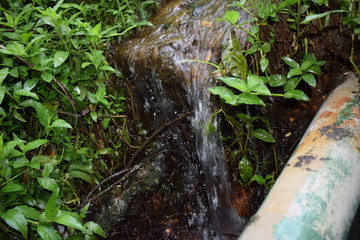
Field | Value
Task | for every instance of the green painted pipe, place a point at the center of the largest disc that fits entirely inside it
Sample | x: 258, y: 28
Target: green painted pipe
x: 318, y: 192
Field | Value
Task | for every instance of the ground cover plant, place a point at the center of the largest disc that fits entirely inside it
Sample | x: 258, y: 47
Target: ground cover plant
x: 247, y: 76
x: 61, y: 129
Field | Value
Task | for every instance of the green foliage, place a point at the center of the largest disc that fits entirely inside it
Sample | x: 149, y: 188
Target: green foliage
x: 56, y: 112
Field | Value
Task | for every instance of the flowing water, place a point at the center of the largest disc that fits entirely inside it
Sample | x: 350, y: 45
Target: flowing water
x: 186, y: 30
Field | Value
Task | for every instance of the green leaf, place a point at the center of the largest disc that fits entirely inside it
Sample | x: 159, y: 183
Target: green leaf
x: 95, y: 228
x: 60, y: 123
x: 34, y: 144
x: 3, y: 74
x: 294, y: 72
x: 48, y: 168
x: 52, y: 206
x: 96, y: 29
x: 60, y: 57
x: 320, y: 15
x: 237, y: 83
x: 277, y: 80
x: 16, y: 220
x: 26, y: 93
x: 256, y: 84
x: 306, y: 64
x: 245, y: 170
x: 259, y: 179
x: 42, y: 112
x: 28, y: 212
x: 297, y: 94
x: 290, y: 62
x: 2, y: 93
x: 310, y: 79
x: 82, y: 175
x: 47, y: 77
x: 48, y: 183
x: 232, y: 16
x: 234, y: 59
x: 314, y: 69
x: 263, y: 135
x: 48, y: 232
x: 225, y: 94
x: 9, y: 147
x: 264, y: 63
x: 67, y: 219
x: 246, y: 98
x: 12, y: 187
x: 291, y: 84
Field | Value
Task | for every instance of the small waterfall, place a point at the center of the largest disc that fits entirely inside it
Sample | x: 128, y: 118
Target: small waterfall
x: 165, y: 88
x: 224, y: 219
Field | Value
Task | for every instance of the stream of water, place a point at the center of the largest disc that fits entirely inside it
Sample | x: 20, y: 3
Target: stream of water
x: 188, y: 30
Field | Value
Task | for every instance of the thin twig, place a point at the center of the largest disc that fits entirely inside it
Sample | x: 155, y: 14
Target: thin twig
x: 131, y: 161
x: 87, y: 199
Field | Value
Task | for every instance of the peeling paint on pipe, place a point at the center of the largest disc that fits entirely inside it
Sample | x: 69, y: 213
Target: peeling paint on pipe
x: 318, y: 192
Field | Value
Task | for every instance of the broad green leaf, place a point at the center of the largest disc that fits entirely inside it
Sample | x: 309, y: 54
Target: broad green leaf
x: 60, y: 123
x: 12, y: 187
x: 16, y: 220
x: 259, y: 179
x: 34, y: 144
x: 21, y: 162
x: 52, y: 206
x: 320, y: 15
x: 84, y: 211
x: 286, y: 3
x: 266, y: 47
x: 310, y: 79
x: 264, y: 63
x: 60, y: 57
x: 95, y: 228
x: 47, y: 77
x: 48, y: 168
x: 246, y: 98
x: 42, y: 112
x: 232, y: 16
x: 263, y: 135
x: 2, y: 93
x: 225, y: 94
x: 237, y: 83
x: 96, y: 29
x: 314, y: 69
x: 26, y: 93
x: 291, y: 83
x: 256, y: 84
x: 67, y: 219
x: 306, y: 64
x: 30, y: 84
x: 297, y: 94
x: 245, y: 170
x: 3, y: 73
x: 48, y: 232
x: 48, y: 183
x: 15, y: 48
x: 28, y: 212
x: 290, y: 62
x: 294, y: 72
x: 277, y: 80
x: 82, y: 175
x: 9, y: 147
x: 108, y: 68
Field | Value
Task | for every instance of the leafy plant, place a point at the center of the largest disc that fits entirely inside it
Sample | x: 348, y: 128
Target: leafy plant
x: 56, y: 112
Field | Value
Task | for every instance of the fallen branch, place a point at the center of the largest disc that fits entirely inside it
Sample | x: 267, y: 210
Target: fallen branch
x: 88, y: 198
x: 131, y: 161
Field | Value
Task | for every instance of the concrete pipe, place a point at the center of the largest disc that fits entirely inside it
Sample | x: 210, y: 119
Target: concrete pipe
x: 318, y: 192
